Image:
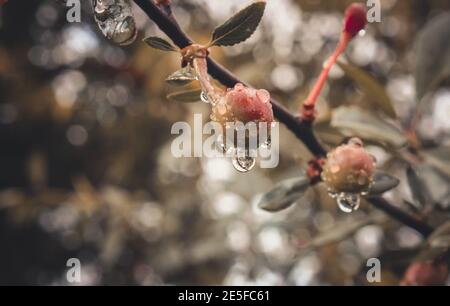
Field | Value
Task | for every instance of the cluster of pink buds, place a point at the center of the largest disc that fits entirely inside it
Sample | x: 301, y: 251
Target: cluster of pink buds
x: 348, y: 173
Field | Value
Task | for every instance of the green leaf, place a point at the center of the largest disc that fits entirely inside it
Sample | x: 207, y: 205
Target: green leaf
x: 239, y: 27
x: 432, y: 55
x: 419, y: 190
x: 159, y: 43
x: 437, y: 246
x: 342, y: 230
x: 383, y: 183
x: 374, y: 90
x: 440, y: 238
x: 185, y: 96
x: 285, y: 194
x: 328, y: 134
x: 439, y: 159
x: 353, y: 121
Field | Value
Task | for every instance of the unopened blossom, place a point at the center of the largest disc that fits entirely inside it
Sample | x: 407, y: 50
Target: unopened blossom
x: 349, y: 168
x: 244, y: 104
x: 426, y: 274
x: 355, y: 19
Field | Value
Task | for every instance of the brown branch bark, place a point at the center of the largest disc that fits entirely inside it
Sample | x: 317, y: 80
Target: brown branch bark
x: 302, y: 129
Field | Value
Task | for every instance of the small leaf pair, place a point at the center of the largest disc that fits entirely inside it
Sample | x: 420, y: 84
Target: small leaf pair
x: 235, y: 30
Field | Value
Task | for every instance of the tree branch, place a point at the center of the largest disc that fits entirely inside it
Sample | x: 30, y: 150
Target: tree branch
x: 398, y: 214
x: 302, y: 129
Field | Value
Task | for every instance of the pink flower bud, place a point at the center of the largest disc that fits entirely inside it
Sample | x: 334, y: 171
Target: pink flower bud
x: 426, y: 274
x: 355, y: 19
x: 244, y: 104
x: 349, y: 168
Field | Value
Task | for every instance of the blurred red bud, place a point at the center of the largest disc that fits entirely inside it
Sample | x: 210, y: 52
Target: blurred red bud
x: 355, y: 19
x: 426, y: 274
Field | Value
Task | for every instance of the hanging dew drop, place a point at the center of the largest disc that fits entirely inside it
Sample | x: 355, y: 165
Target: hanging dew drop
x: 125, y: 32
x: 204, y: 97
x: 348, y: 202
x: 182, y: 77
x: 115, y: 20
x: 243, y: 163
x: 366, y: 191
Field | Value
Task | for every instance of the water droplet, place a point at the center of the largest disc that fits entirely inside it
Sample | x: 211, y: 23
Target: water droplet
x: 243, y: 163
x: 356, y: 141
x: 365, y: 192
x: 348, y: 202
x: 182, y: 77
x: 204, y: 97
x: 239, y: 86
x: 115, y: 20
x: 263, y: 95
x: 362, y: 179
x: 267, y: 145
x: 335, y: 169
x: 333, y: 194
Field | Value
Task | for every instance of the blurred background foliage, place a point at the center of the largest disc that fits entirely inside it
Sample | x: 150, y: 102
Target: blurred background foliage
x: 86, y: 169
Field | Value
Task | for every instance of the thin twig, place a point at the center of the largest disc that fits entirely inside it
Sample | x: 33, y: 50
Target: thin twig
x: 302, y: 129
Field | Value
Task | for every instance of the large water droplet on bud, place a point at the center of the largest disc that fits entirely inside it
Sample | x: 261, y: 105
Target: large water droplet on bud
x: 115, y: 20
x: 348, y: 202
x: 243, y: 163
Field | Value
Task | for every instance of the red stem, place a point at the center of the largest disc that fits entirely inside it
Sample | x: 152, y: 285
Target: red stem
x: 307, y: 110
